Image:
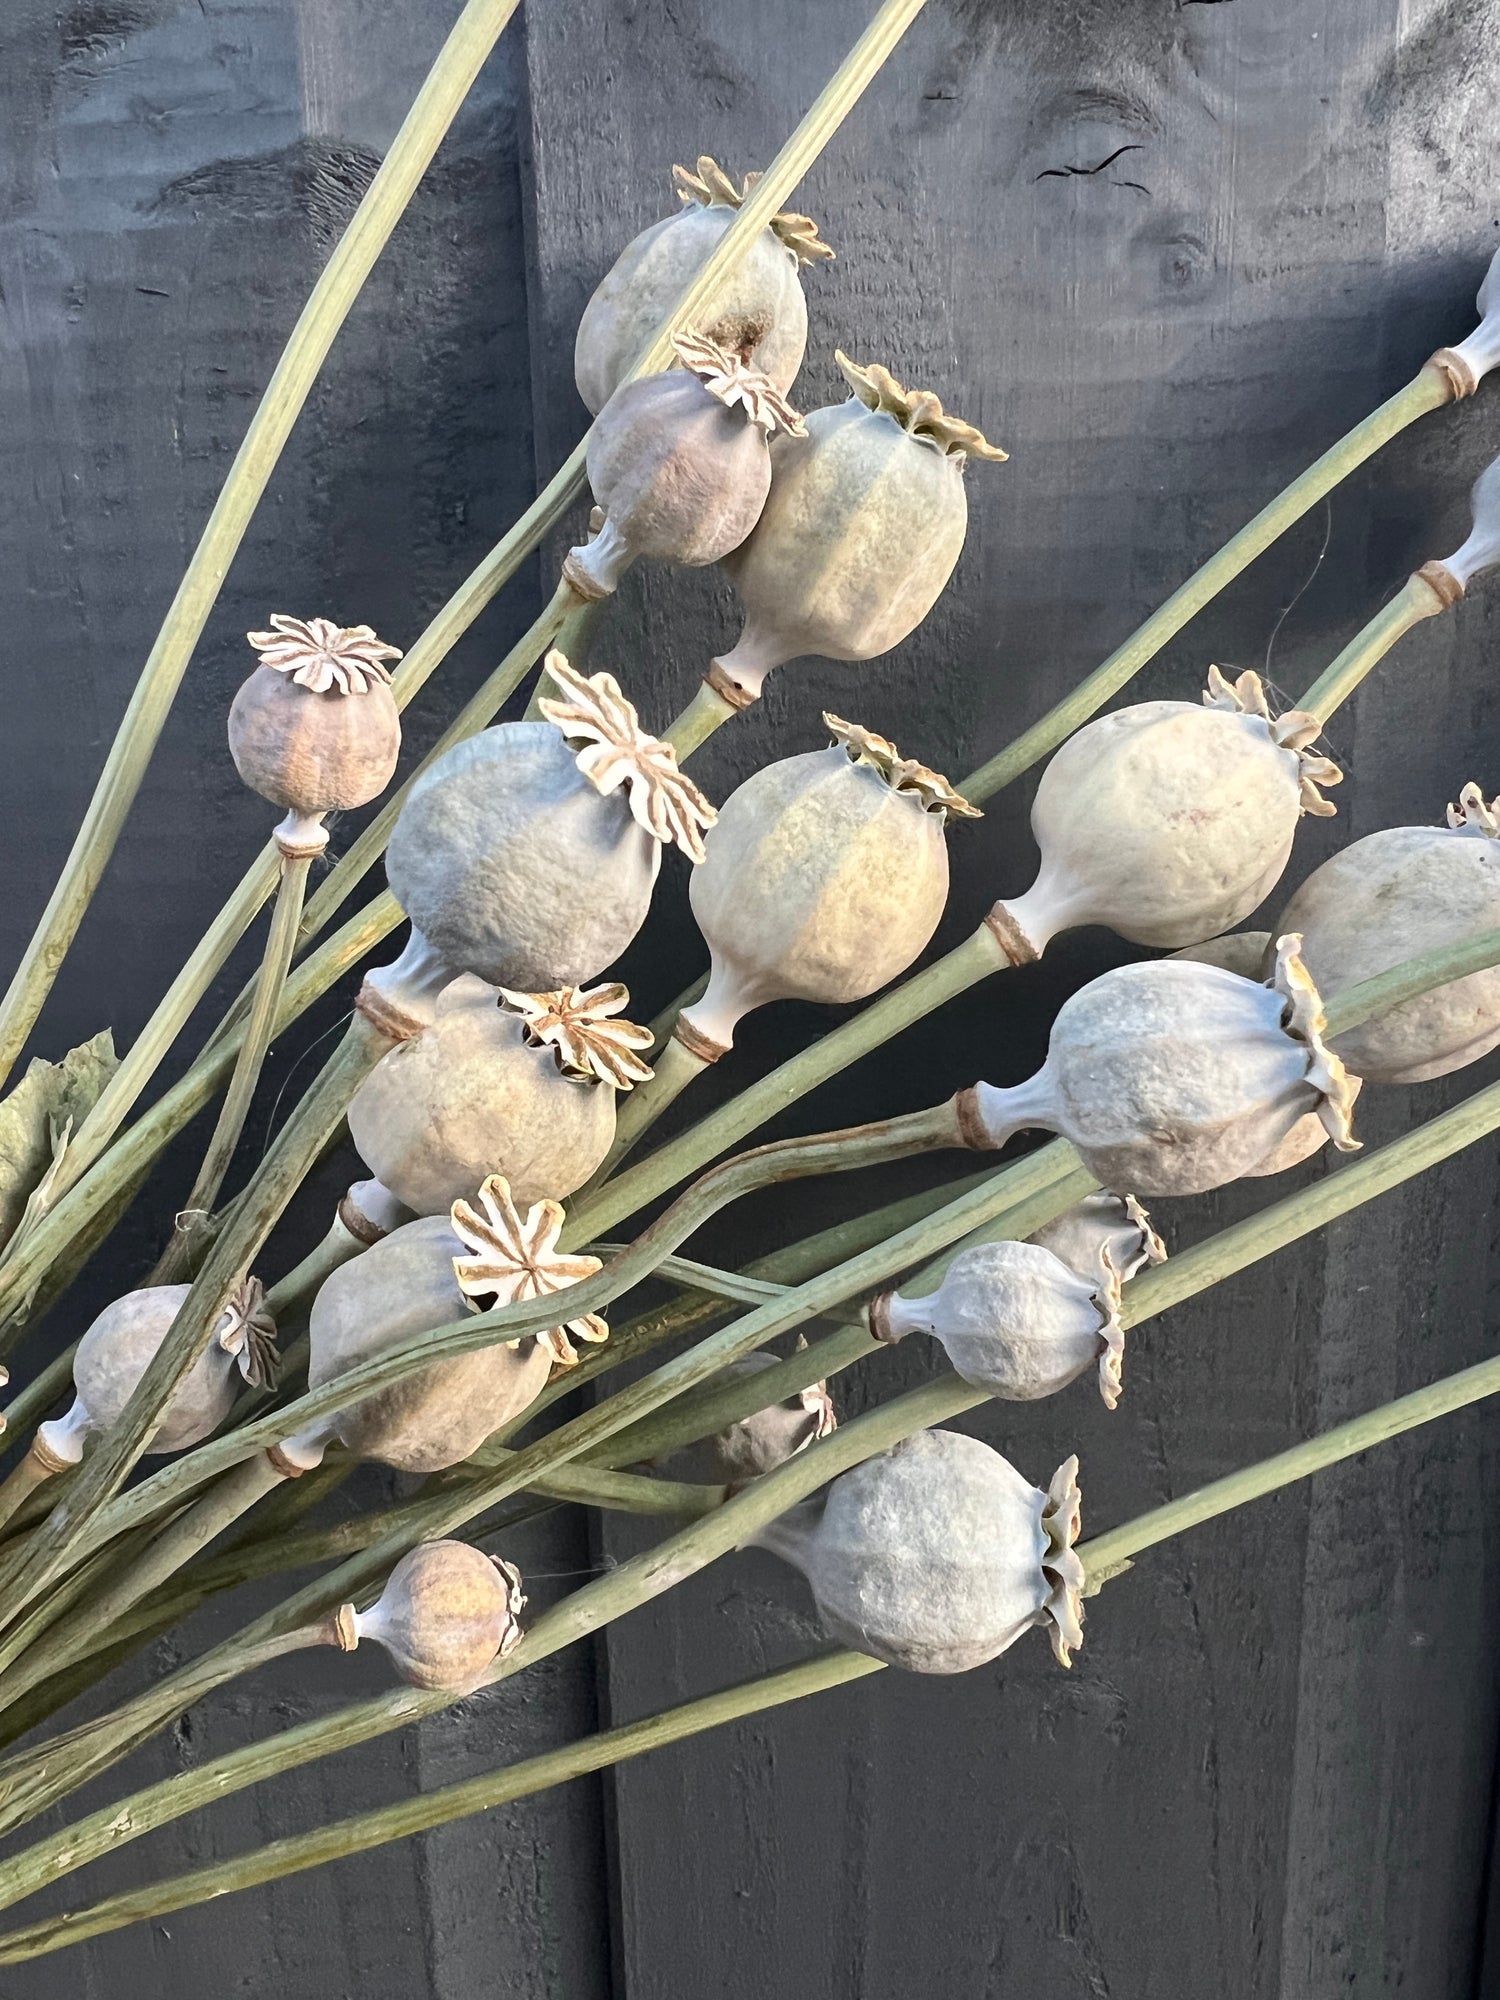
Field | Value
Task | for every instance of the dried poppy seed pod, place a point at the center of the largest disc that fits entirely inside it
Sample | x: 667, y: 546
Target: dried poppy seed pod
x: 417, y: 1279
x: 520, y: 1084
x: 938, y: 1555
x: 1247, y: 953
x: 1103, y: 1232
x: 528, y: 854
x: 316, y: 728
x: 863, y: 525
x: 680, y: 464
x: 758, y: 312
x: 1391, y: 896
x: 759, y: 1443
x: 824, y: 878
x: 447, y: 1613
x: 1175, y: 1077
x: 1015, y: 1320
x: 119, y: 1347
x: 1168, y: 822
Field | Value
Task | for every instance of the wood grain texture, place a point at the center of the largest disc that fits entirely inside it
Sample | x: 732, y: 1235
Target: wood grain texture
x: 172, y: 175
x: 1269, y: 1772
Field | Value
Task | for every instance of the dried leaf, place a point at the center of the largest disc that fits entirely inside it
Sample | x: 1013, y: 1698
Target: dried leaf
x: 51, y: 1100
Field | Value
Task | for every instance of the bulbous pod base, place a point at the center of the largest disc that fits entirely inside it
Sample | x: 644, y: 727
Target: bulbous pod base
x: 860, y: 532
x: 1391, y: 896
x: 472, y: 1096
x: 938, y: 1555
x: 758, y: 312
x: 1174, y: 1078
x: 680, y: 477
x: 515, y: 867
x: 399, y: 1289
x: 1014, y: 1320
x: 313, y: 752
x: 1164, y: 821
x: 119, y: 1347
x: 822, y: 882
x: 446, y: 1614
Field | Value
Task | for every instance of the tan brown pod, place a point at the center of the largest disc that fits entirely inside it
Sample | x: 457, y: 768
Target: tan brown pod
x: 315, y: 728
x: 938, y: 1555
x: 823, y: 879
x: 519, y: 1084
x: 1166, y: 821
x: 1175, y: 1077
x: 758, y: 313
x: 447, y: 1613
x: 864, y: 523
x: 424, y: 1276
x: 122, y: 1342
x: 680, y: 465
x: 1391, y: 896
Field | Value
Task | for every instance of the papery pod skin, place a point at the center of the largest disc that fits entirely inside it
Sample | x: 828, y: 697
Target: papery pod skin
x: 118, y: 1348
x: 938, y: 1555
x: 1014, y: 1319
x: 1170, y: 822
x: 1103, y: 1233
x: 514, y: 867
x: 313, y: 753
x: 823, y: 880
x: 470, y: 1096
x: 1389, y: 897
x: 759, y: 1443
x: 447, y: 1613
x: 400, y: 1288
x: 759, y: 311
x: 1175, y: 1077
x: 1252, y: 954
x: 680, y: 465
x: 860, y: 533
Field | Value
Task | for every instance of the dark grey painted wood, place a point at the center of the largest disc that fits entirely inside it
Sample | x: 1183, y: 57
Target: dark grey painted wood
x: 174, y: 174
x: 1269, y: 1772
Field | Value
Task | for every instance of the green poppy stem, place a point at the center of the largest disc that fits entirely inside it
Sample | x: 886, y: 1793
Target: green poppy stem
x: 469, y: 42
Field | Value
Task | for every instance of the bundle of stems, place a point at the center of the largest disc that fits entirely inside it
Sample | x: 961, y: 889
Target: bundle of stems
x: 85, y: 1581
x: 722, y: 1529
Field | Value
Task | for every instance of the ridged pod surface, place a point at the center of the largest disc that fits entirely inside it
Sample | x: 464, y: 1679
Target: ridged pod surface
x: 475, y: 1094
x: 121, y: 1343
x: 680, y: 464
x: 528, y: 853
x: 938, y: 1555
x: 1170, y: 822
x: 1391, y: 896
x: 758, y: 312
x: 863, y: 525
x: 315, y: 728
x: 823, y: 879
x: 446, y: 1614
x: 1176, y: 1077
x: 1015, y: 1320
x: 402, y: 1287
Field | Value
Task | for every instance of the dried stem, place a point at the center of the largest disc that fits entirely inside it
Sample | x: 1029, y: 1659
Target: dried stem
x: 134, y: 1152
x: 1428, y: 390
x: 192, y: 1233
x: 1415, y: 601
x: 447, y: 84
x: 271, y: 1188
